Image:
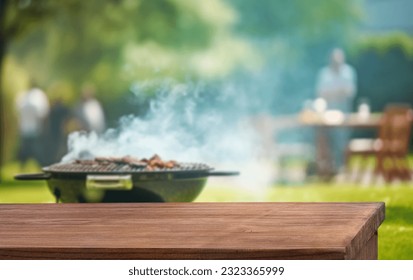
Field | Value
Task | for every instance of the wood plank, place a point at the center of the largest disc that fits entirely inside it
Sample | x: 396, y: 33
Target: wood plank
x: 188, y: 230
x: 370, y: 250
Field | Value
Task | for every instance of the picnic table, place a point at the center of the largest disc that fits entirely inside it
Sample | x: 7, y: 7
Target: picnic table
x: 324, y: 158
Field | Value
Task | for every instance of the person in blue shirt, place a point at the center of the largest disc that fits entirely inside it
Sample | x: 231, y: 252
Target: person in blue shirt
x: 336, y: 84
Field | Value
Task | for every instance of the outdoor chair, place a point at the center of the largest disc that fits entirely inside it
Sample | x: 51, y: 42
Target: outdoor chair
x: 390, y: 149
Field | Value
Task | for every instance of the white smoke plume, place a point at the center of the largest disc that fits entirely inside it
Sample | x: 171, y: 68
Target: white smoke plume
x: 181, y: 124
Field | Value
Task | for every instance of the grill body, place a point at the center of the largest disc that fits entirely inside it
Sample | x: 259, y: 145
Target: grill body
x: 172, y: 190
x: 117, y: 182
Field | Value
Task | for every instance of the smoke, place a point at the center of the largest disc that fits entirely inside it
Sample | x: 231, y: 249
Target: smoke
x: 185, y: 122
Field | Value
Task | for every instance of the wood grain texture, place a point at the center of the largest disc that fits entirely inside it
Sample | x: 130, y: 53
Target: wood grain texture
x: 188, y: 230
x: 370, y: 250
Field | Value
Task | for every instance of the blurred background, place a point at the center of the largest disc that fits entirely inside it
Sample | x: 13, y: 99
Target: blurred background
x: 204, y: 69
x: 274, y: 49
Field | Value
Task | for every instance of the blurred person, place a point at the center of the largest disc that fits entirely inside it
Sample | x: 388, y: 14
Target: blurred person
x: 32, y: 109
x: 336, y: 84
x: 56, y: 125
x: 90, y: 112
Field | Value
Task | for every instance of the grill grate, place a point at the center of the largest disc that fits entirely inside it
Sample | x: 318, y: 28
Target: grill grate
x: 120, y: 168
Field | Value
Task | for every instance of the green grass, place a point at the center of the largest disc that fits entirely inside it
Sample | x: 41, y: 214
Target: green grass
x: 12, y: 191
x: 395, y: 235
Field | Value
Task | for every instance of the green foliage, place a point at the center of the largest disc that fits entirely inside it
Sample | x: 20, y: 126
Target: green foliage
x: 383, y: 44
x: 309, y: 21
x: 116, y: 42
x: 113, y: 43
x: 384, y: 64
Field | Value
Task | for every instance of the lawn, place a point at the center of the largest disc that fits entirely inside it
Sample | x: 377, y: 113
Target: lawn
x: 395, y: 235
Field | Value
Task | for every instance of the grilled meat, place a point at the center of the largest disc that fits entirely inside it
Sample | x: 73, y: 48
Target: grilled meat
x: 154, y: 163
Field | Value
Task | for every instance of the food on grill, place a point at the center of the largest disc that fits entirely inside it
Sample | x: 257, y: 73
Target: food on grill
x: 85, y: 161
x: 123, y: 160
x: 133, y: 161
x: 154, y: 163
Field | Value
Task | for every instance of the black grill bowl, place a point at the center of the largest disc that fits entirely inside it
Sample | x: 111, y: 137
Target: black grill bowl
x: 173, y: 190
x: 175, y: 185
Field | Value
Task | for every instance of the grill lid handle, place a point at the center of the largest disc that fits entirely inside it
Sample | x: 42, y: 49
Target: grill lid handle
x: 33, y: 176
x: 109, y: 182
x: 223, y: 173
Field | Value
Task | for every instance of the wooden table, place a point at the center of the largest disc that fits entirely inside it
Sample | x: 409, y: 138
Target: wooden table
x: 352, y: 120
x: 190, y: 231
x: 324, y: 159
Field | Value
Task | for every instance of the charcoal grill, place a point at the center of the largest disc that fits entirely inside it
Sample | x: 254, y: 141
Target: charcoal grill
x: 120, y: 182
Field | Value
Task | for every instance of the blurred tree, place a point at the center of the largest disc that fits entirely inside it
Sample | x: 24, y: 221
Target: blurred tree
x: 306, y: 21
x: 16, y: 18
x: 113, y: 43
x: 2, y: 51
x: 385, y: 67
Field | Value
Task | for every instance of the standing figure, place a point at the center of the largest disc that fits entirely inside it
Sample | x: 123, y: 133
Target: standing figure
x: 58, y: 118
x: 32, y: 109
x: 337, y: 86
x: 89, y: 111
x: 337, y: 82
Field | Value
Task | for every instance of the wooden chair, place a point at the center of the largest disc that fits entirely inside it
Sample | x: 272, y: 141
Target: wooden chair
x: 390, y: 149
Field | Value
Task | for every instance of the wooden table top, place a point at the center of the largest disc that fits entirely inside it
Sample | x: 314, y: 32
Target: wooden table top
x: 351, y: 120
x: 187, y: 230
